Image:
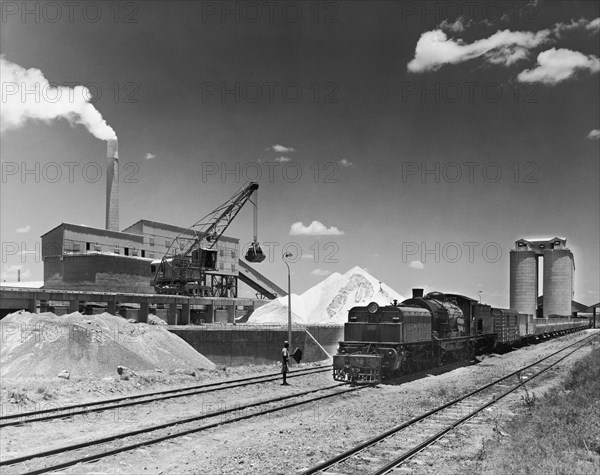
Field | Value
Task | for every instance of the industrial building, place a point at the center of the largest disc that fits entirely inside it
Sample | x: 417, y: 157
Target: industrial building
x: 558, y: 271
x: 82, y: 258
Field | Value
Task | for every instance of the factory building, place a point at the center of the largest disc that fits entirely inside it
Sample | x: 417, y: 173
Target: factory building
x: 82, y: 258
x: 558, y: 271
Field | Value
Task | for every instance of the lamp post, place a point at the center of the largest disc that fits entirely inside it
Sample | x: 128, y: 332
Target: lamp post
x: 287, y: 255
x: 480, y: 292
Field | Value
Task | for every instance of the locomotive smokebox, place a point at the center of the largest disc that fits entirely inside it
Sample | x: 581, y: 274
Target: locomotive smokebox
x: 417, y: 293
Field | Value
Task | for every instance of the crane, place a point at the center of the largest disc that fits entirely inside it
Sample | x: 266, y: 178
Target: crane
x: 182, y: 270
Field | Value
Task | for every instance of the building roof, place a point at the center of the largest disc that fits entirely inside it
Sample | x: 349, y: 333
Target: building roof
x: 97, y: 231
x: 175, y: 229
x: 590, y: 309
x: 575, y: 306
x: 128, y: 235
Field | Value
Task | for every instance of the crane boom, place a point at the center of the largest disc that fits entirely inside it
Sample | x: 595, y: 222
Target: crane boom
x: 182, y: 269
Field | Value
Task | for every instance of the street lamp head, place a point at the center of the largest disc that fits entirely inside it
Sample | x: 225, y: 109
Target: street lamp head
x: 287, y: 255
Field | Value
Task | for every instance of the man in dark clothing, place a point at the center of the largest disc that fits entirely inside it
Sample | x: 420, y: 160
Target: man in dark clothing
x: 285, y: 357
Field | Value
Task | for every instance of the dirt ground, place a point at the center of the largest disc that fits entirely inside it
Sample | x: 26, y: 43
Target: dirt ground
x: 270, y: 444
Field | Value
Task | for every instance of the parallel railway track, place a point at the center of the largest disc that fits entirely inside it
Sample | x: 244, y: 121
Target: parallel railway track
x: 387, y: 452
x: 51, y: 460
x: 20, y: 418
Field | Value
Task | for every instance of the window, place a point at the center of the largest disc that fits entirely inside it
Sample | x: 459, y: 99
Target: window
x: 233, y: 254
x: 76, y: 247
x: 134, y: 252
x: 143, y: 253
x: 88, y: 246
x: 151, y: 241
x: 167, y: 243
x: 153, y: 269
x: 126, y: 251
x: 221, y: 266
x: 116, y: 249
x: 233, y: 267
x: 181, y: 245
x: 221, y: 252
x: 150, y: 255
x: 97, y: 247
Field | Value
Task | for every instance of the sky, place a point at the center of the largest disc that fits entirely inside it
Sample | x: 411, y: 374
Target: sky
x: 418, y: 140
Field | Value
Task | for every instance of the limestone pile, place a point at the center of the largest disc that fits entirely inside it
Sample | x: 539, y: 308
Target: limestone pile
x: 328, y: 301
x: 89, y: 345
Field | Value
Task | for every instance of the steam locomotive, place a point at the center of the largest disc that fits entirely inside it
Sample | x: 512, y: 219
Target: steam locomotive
x: 422, y: 332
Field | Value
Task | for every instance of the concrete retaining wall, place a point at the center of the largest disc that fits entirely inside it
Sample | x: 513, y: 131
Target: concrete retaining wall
x: 237, y: 346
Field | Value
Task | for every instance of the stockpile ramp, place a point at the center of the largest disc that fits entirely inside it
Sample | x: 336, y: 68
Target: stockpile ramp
x: 259, y: 282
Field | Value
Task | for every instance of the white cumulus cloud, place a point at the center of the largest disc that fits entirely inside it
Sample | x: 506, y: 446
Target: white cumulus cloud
x: 316, y: 228
x: 149, y: 156
x: 345, y: 162
x: 416, y: 265
x: 592, y: 26
x: 456, y: 26
x: 594, y: 135
x: 24, y: 229
x: 281, y: 149
x: 434, y: 49
x: 557, y: 65
x: 283, y: 159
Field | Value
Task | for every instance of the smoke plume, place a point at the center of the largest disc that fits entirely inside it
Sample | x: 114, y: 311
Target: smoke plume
x: 27, y: 94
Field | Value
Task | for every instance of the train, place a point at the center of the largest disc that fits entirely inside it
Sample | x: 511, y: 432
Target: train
x: 426, y: 331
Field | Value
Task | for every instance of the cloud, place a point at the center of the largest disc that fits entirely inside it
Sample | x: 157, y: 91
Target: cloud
x: 557, y: 65
x: 320, y: 272
x: 345, y: 163
x: 24, y: 229
x: 592, y: 26
x: 316, y: 228
x: 283, y: 159
x: 416, y: 265
x: 308, y: 256
x: 457, y: 26
x: 434, y: 49
x: 27, y: 95
x: 281, y: 149
x: 11, y: 273
x: 149, y: 156
x: 594, y: 135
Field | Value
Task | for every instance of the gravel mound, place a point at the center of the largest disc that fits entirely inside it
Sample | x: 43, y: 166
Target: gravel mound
x: 89, y: 345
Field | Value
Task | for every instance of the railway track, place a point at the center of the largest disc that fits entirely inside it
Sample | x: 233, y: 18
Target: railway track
x: 387, y: 452
x: 20, y: 418
x: 95, y: 449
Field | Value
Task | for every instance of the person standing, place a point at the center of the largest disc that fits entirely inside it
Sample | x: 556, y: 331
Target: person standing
x: 285, y: 357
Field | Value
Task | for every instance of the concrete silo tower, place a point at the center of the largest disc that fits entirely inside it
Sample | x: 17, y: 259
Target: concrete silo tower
x: 558, y: 273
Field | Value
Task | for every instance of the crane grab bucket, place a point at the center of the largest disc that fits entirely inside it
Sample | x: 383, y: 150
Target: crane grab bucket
x: 255, y: 253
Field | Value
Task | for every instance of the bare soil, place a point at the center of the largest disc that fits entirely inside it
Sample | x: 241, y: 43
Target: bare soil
x: 281, y: 442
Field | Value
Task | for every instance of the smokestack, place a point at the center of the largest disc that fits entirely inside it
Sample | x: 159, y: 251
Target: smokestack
x: 112, y: 185
x: 417, y: 293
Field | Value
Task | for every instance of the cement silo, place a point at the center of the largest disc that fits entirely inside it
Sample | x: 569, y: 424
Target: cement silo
x: 558, y: 282
x: 523, y: 281
x: 558, y: 273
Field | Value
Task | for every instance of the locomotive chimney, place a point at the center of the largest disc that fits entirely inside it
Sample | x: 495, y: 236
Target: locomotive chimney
x: 112, y: 185
x: 417, y: 293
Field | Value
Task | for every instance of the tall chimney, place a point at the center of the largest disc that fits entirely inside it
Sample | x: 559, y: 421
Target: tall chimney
x: 112, y: 185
